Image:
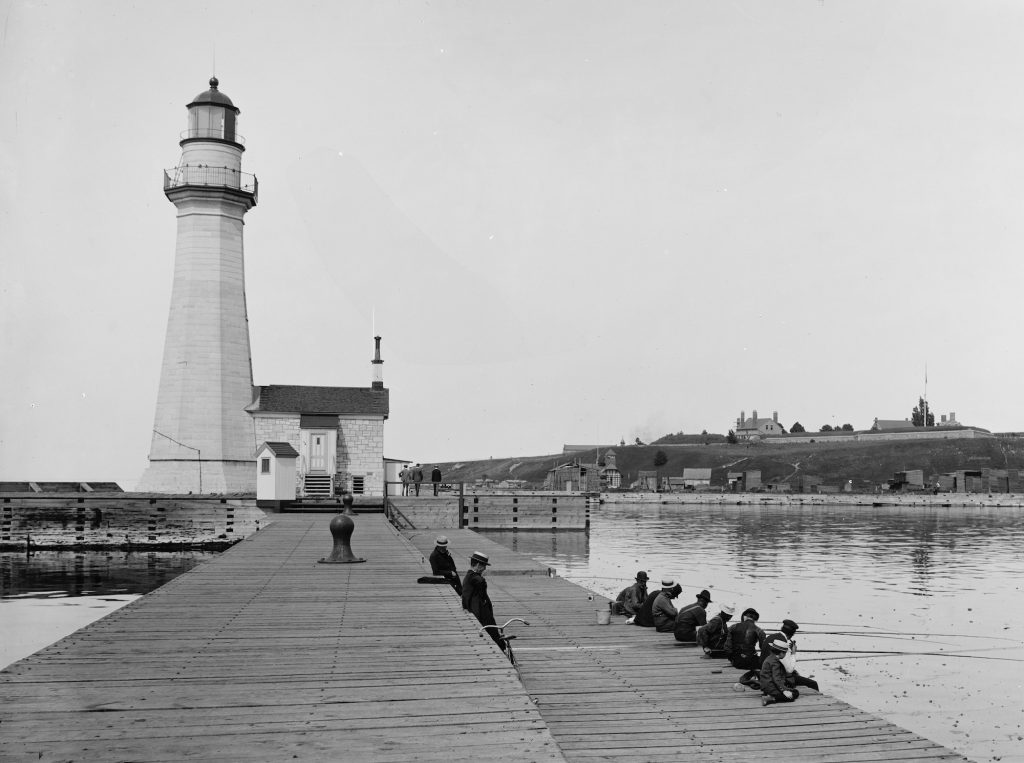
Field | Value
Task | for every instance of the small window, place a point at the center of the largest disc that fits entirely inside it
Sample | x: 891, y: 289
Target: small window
x: 265, y: 465
x: 357, y: 485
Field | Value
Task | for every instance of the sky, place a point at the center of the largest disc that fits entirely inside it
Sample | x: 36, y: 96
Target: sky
x: 570, y: 221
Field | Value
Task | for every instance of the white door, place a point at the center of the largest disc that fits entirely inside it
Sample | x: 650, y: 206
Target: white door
x: 318, y: 452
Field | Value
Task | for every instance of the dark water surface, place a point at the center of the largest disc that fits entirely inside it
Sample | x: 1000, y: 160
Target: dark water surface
x: 922, y: 606
x: 50, y: 594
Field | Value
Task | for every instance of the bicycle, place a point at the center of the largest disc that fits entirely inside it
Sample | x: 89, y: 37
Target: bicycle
x: 507, y: 641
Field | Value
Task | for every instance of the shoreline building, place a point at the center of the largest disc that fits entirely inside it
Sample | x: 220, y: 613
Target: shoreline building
x: 202, y: 438
x: 752, y: 428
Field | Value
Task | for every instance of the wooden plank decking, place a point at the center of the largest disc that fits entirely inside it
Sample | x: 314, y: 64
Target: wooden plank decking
x: 262, y: 654
x: 618, y: 692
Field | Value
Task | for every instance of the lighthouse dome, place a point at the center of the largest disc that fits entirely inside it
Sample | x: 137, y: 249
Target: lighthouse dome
x: 214, y: 96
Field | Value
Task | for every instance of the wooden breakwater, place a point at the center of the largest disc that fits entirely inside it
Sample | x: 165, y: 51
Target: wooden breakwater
x: 491, y: 510
x: 125, y: 520
x: 941, y: 500
x: 261, y: 654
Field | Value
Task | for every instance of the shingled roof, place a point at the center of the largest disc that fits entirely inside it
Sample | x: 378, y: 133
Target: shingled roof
x: 285, y: 398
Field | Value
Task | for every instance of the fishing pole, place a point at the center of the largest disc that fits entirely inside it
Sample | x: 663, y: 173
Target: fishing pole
x: 907, y: 633
x: 865, y: 653
x: 868, y: 656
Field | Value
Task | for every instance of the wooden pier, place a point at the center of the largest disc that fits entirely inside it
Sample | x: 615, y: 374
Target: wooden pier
x: 263, y: 654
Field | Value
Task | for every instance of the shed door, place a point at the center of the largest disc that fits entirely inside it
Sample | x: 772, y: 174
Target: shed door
x: 318, y: 452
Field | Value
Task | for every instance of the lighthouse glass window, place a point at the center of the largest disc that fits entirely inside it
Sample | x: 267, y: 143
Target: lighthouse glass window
x: 212, y: 122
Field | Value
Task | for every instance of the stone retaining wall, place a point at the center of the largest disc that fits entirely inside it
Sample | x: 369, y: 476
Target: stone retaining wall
x: 507, y: 510
x: 121, y: 520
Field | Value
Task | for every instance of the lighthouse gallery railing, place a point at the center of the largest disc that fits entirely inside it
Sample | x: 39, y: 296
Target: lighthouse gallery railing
x: 205, y: 175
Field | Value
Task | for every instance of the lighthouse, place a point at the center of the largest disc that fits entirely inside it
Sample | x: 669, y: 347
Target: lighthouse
x: 203, y: 438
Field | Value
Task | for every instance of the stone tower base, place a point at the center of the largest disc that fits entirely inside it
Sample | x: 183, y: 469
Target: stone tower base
x: 181, y: 477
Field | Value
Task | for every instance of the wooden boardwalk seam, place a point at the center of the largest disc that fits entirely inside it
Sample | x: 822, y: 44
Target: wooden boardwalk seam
x: 261, y: 654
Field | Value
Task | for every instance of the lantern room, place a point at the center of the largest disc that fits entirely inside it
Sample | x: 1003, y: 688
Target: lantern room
x: 212, y: 116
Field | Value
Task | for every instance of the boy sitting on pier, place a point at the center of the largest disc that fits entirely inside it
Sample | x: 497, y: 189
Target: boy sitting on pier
x: 773, y: 674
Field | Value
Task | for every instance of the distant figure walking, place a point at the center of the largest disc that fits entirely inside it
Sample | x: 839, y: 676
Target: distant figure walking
x: 435, y: 477
x: 404, y: 476
x: 417, y: 477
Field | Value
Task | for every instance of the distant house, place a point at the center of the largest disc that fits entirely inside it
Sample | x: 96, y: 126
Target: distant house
x: 337, y: 431
x: 911, y: 479
x: 574, y: 476
x: 611, y: 477
x: 646, y: 480
x: 696, y: 478
x: 887, y: 425
x: 755, y: 428
x: 744, y: 482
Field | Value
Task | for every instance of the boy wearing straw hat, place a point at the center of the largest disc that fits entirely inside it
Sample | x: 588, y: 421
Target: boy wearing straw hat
x: 441, y: 563
x: 474, y: 595
x: 773, y: 675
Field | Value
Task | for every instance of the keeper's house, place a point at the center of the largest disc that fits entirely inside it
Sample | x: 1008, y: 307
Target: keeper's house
x: 338, y: 433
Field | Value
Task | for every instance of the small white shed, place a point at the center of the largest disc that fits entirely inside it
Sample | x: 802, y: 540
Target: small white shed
x: 275, y: 472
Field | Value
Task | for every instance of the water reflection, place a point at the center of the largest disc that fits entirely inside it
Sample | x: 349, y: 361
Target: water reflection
x: 50, y: 594
x: 46, y: 574
x: 910, y: 612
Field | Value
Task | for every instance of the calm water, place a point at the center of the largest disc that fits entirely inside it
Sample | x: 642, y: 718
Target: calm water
x: 946, y: 582
x: 50, y: 594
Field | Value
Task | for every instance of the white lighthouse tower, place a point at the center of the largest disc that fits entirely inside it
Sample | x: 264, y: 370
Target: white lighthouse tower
x: 203, y: 439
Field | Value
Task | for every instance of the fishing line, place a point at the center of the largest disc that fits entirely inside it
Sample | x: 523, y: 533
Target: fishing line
x: 865, y: 653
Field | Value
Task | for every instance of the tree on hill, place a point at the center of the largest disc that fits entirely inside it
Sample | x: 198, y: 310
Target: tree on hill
x: 660, y: 459
x: 797, y: 427
x: 917, y: 417
x: 847, y: 427
x: 731, y: 438
x: 825, y: 428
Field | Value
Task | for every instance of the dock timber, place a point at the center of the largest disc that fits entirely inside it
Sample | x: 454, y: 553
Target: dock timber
x: 262, y: 654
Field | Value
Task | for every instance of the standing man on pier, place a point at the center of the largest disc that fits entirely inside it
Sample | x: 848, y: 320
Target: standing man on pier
x: 435, y: 477
x: 474, y: 594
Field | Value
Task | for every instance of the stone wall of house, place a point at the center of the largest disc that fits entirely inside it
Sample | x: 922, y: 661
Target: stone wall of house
x: 277, y: 429
x: 361, y: 454
x: 360, y: 449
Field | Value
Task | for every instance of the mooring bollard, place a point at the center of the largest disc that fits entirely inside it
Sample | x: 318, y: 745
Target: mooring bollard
x: 346, y: 501
x: 342, y: 527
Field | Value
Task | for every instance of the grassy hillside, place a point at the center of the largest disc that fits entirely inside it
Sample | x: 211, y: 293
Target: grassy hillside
x: 867, y: 464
